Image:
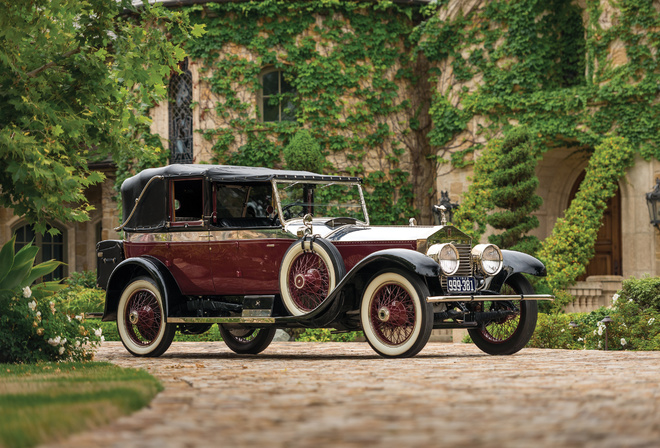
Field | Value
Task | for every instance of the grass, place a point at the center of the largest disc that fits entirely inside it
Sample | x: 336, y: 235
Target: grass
x: 46, y: 402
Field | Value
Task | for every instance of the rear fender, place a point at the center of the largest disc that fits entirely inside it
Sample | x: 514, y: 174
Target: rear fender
x: 135, y: 267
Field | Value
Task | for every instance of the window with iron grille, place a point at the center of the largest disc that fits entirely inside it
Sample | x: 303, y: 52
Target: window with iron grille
x: 276, y: 97
x: 51, y: 247
x: 180, y: 114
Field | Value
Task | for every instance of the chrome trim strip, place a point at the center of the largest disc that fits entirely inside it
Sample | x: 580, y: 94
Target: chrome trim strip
x: 221, y: 320
x: 491, y: 298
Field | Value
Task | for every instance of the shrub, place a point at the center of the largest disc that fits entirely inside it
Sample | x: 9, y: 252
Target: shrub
x: 326, y: 335
x: 645, y: 291
x: 32, y: 327
x: 304, y: 153
x: 554, y: 331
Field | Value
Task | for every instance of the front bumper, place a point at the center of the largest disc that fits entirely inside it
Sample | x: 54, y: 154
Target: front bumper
x: 488, y: 298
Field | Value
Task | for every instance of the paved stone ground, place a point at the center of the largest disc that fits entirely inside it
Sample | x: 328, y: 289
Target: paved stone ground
x: 299, y: 394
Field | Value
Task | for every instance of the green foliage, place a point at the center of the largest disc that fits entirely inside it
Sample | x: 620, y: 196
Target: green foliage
x: 503, y: 193
x: 635, y: 322
x: 32, y: 328
x: 325, y: 335
x: 75, y: 79
x: 40, y: 403
x: 85, y: 279
x: 513, y: 193
x: 304, y: 153
x: 346, y: 62
x: 644, y: 291
x: 569, y: 248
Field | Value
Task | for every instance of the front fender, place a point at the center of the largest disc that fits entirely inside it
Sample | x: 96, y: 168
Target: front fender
x: 131, y: 268
x: 516, y: 263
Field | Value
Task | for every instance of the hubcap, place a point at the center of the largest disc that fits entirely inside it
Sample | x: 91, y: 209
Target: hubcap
x: 133, y: 317
x: 384, y: 314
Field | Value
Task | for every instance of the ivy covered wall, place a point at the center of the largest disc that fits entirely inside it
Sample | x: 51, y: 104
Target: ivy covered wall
x: 360, y: 90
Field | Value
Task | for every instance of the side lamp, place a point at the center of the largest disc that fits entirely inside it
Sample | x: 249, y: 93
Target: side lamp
x: 653, y: 202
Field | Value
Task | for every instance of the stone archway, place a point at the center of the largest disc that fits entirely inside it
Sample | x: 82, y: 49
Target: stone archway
x: 607, y: 259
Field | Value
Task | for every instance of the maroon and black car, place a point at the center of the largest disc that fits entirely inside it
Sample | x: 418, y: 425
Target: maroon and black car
x: 256, y: 249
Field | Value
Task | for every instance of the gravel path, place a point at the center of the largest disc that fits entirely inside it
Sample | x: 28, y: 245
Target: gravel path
x: 298, y: 394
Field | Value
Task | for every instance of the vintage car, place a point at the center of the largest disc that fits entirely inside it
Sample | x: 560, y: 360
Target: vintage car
x: 255, y: 249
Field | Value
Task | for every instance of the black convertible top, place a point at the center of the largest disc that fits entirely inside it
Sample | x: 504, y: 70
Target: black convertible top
x: 151, y: 213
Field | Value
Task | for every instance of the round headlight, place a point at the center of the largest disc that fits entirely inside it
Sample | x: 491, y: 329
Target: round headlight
x: 446, y: 256
x: 489, y: 258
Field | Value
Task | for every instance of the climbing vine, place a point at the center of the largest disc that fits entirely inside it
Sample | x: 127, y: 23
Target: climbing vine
x: 574, y: 77
x: 350, y: 67
x: 569, y: 248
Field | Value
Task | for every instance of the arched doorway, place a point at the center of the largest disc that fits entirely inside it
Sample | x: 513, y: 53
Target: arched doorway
x: 607, y: 257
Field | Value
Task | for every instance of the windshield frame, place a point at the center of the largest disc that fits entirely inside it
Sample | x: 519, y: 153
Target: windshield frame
x: 276, y: 194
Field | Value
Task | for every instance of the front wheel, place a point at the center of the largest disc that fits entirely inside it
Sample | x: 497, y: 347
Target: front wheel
x: 247, y: 341
x: 510, y: 334
x: 141, y: 319
x: 396, y: 319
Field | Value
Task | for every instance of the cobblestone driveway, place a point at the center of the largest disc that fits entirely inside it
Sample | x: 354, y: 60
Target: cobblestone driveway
x: 342, y: 394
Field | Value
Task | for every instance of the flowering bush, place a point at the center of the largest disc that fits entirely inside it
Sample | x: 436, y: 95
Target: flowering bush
x: 632, y: 327
x: 32, y: 328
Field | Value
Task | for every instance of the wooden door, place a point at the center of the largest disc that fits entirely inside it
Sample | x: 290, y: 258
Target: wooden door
x: 607, y: 257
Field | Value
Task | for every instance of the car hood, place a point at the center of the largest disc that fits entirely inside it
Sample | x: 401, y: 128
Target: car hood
x: 358, y: 233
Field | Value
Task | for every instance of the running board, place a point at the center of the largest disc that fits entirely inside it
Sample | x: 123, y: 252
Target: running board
x: 220, y: 320
x: 491, y: 298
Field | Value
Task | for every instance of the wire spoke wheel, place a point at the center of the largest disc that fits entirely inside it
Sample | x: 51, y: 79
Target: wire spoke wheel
x: 141, y: 319
x: 510, y: 332
x: 247, y: 341
x: 396, y: 319
x: 309, y: 281
x: 308, y: 274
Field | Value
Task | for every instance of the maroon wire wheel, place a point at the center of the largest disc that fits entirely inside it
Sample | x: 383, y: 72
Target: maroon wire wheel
x: 140, y: 319
x: 309, y: 273
x: 396, y: 319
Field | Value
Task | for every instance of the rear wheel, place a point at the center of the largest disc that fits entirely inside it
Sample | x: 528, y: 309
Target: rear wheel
x: 141, y: 319
x: 247, y: 341
x: 396, y: 319
x: 509, y: 334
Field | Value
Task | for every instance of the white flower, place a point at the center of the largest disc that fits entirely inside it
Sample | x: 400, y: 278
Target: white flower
x: 595, y: 331
x: 102, y: 338
x: 77, y: 343
x: 651, y: 320
x: 98, y: 332
x: 615, y: 297
x: 68, y: 317
x: 624, y: 325
x: 580, y: 339
x: 63, y: 341
x: 600, y: 330
x: 27, y: 292
x: 623, y: 341
x: 61, y: 350
x: 32, y: 305
x: 55, y: 341
x: 598, y: 344
x: 79, y: 317
x: 630, y: 300
x: 38, y: 313
x: 562, y: 330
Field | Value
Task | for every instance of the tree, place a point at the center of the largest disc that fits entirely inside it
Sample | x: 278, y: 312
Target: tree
x: 76, y: 77
x: 513, y: 194
x: 304, y: 153
x: 503, y: 193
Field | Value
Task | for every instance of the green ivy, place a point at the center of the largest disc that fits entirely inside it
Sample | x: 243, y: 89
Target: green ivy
x: 330, y: 52
x: 570, y: 247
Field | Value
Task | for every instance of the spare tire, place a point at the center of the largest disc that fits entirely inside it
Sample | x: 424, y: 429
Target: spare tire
x: 311, y: 268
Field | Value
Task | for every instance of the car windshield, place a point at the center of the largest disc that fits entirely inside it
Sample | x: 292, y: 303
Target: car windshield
x: 328, y: 200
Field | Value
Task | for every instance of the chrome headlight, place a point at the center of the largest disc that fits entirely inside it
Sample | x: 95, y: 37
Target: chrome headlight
x: 489, y: 258
x: 446, y: 255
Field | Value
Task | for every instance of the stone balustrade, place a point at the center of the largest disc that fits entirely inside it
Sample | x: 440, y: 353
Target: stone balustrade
x: 594, y: 292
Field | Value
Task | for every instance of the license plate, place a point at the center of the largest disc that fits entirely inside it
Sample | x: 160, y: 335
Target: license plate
x: 461, y: 284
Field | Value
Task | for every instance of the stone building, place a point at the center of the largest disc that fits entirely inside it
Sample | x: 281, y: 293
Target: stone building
x: 406, y: 94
